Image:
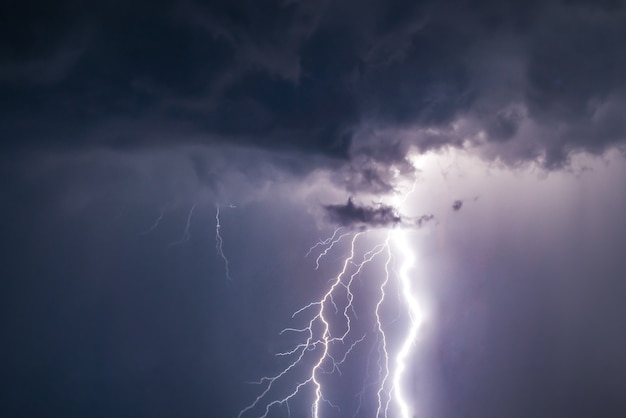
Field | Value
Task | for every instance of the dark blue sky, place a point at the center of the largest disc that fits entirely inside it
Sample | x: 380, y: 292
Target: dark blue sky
x: 115, y: 115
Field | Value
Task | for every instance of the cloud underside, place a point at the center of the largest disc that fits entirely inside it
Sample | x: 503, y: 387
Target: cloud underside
x: 359, y: 216
x: 358, y: 83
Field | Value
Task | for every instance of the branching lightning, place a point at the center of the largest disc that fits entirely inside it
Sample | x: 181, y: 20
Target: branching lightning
x: 219, y: 242
x: 329, y: 243
x: 329, y: 335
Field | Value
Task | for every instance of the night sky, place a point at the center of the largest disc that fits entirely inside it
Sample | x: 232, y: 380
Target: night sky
x: 489, y: 134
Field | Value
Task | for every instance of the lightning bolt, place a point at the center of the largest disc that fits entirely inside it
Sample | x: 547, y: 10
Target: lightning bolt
x: 328, y: 335
x: 329, y: 329
x: 329, y: 243
x: 186, y: 234
x: 219, y: 241
x: 416, y: 318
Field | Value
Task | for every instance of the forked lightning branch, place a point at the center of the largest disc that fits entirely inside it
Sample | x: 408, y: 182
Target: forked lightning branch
x: 327, y: 336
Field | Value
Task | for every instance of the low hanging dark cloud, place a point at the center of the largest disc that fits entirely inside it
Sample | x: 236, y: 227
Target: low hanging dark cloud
x: 357, y: 216
x: 353, y: 215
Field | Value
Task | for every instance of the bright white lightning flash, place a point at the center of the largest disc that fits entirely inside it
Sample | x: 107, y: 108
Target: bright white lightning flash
x: 416, y: 317
x: 328, y: 335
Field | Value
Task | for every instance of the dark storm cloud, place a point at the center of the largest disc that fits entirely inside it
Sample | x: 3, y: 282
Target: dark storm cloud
x: 504, y: 125
x: 353, y: 215
x: 375, y: 165
x: 350, y: 80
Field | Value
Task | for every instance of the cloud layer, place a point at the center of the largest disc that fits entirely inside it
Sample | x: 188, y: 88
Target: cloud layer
x: 357, y: 82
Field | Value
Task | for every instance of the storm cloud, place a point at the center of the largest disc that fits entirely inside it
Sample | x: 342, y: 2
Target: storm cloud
x: 353, y: 215
x: 518, y: 81
x: 379, y: 215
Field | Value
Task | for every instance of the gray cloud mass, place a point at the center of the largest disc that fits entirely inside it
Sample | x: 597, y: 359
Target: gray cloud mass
x: 353, y: 215
x: 521, y: 80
